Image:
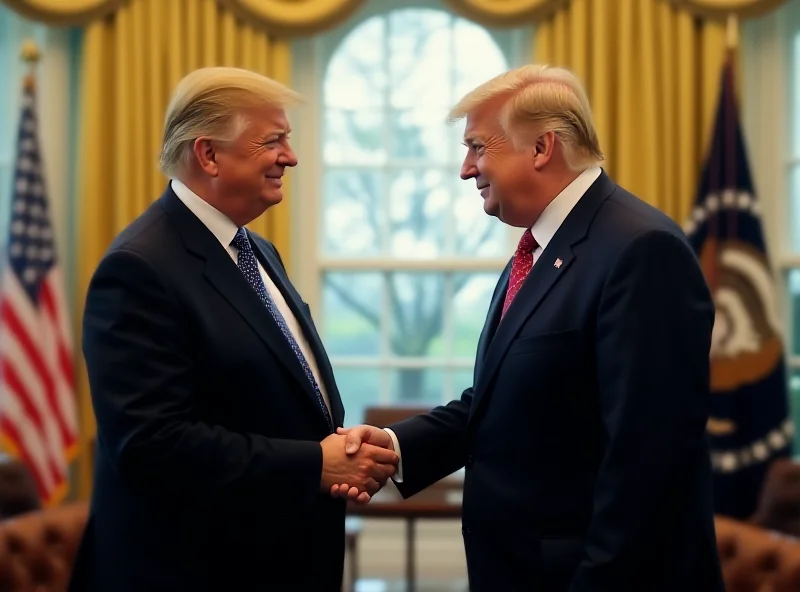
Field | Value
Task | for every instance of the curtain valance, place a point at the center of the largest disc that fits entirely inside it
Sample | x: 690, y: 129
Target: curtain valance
x: 303, y: 17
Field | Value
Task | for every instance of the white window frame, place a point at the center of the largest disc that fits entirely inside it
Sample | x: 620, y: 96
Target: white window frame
x: 765, y: 66
x: 311, y: 57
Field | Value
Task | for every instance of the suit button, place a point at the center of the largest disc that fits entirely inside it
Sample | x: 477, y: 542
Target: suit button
x: 470, y: 460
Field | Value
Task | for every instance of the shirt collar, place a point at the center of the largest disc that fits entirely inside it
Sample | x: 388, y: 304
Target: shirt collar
x: 553, y: 216
x: 218, y: 223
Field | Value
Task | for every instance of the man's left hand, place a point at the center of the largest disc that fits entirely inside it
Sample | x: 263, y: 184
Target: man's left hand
x: 363, y: 434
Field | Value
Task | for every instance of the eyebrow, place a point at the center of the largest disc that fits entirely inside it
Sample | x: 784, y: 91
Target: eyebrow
x: 278, y: 132
x: 470, y: 139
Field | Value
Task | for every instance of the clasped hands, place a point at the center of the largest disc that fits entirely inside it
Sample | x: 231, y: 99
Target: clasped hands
x: 357, y: 462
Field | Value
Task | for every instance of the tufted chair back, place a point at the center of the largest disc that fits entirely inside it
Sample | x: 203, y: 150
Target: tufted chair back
x: 18, y: 493
x: 37, y: 550
x: 757, y: 560
x: 779, y: 502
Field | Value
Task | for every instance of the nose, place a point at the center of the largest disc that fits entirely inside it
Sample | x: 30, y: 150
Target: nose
x: 468, y: 168
x: 288, y: 158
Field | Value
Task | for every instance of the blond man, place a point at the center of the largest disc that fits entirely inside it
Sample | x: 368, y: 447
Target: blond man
x: 583, y: 435
x: 216, y: 403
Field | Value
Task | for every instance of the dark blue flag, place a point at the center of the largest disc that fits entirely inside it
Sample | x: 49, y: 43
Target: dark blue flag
x: 749, y: 423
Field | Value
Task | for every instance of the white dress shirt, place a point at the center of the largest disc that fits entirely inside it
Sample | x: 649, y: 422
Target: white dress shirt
x: 224, y: 229
x: 543, y: 230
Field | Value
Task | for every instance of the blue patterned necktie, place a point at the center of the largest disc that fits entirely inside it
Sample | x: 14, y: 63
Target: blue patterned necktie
x: 249, y: 267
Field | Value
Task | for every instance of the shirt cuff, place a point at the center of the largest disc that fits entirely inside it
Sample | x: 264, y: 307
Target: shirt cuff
x: 398, y: 476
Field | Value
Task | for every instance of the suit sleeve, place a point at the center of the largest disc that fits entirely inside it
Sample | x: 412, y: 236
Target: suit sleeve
x: 433, y: 445
x: 653, y: 340
x: 138, y: 350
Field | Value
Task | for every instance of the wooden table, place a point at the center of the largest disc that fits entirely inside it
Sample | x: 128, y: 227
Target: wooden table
x: 440, y: 501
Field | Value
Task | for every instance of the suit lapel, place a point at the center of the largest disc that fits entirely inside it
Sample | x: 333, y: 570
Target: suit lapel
x: 492, y: 319
x: 552, y: 264
x: 223, y: 275
x: 539, y: 282
x: 298, y: 308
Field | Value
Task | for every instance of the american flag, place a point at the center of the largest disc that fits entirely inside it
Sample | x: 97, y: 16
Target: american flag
x: 38, y: 416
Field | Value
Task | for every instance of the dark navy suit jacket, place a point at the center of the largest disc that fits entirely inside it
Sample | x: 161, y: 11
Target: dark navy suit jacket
x: 208, y: 457
x: 583, y: 436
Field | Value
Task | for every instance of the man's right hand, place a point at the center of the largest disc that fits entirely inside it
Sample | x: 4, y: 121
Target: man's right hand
x: 357, y: 437
x: 366, y: 470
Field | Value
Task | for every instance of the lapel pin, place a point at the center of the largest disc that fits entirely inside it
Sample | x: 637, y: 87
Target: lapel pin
x: 558, y: 263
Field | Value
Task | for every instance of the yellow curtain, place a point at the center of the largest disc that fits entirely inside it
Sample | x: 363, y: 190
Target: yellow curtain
x: 652, y: 72
x: 130, y: 62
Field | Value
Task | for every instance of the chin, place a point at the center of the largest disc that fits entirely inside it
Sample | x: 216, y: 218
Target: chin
x: 272, y: 199
x: 491, y: 207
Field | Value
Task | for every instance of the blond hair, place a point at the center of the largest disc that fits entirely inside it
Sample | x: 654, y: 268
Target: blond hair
x: 210, y: 102
x: 540, y: 99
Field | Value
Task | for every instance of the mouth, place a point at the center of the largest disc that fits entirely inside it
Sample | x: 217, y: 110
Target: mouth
x: 276, y: 181
x: 484, y: 190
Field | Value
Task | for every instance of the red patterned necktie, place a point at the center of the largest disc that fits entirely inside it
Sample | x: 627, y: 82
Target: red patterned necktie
x: 520, y: 267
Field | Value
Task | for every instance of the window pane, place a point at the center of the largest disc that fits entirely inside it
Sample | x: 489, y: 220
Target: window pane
x: 794, y: 95
x: 417, y: 310
x: 351, y: 309
x: 356, y: 76
x: 351, y: 214
x: 472, y: 294
x: 794, y: 195
x: 418, y: 204
x: 360, y: 388
x: 793, y: 283
x: 794, y: 402
x: 424, y: 386
x: 419, y: 57
x: 460, y: 381
x: 478, y: 58
x: 420, y: 133
x: 354, y: 136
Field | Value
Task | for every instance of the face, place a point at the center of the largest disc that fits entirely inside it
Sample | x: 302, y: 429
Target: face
x: 504, y: 176
x: 247, y: 173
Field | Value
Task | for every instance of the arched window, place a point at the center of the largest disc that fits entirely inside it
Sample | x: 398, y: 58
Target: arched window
x: 406, y: 259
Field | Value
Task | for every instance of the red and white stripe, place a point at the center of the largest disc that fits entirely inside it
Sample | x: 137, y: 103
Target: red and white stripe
x: 38, y: 416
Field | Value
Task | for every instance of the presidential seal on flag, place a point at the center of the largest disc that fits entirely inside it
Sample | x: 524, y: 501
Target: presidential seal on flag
x: 749, y: 421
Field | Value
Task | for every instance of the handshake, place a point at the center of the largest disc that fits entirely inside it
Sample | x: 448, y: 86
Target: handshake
x: 357, y: 462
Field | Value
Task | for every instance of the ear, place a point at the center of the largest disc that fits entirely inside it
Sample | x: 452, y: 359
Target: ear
x: 205, y: 153
x: 543, y: 149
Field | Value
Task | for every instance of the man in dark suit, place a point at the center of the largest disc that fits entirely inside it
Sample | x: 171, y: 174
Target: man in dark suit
x: 583, y: 436
x: 216, y: 404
